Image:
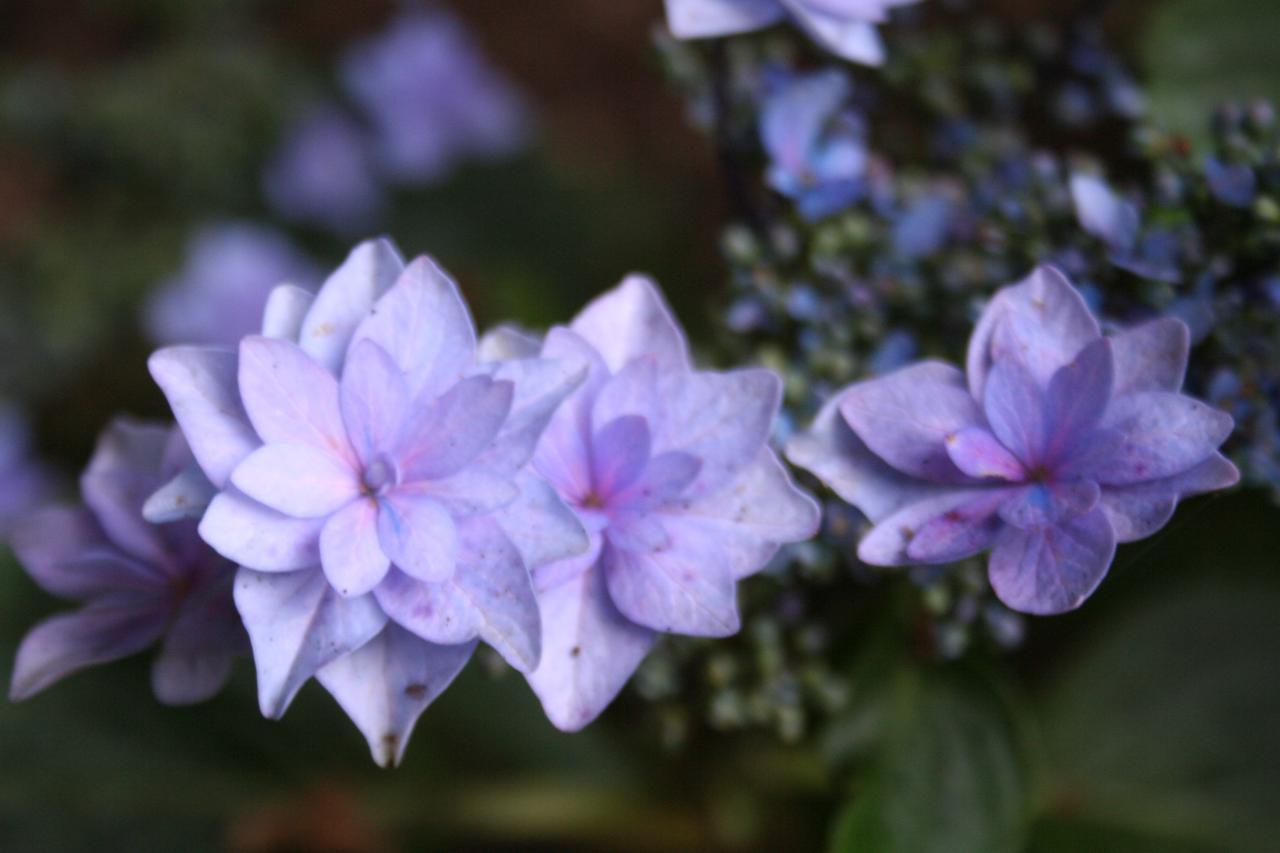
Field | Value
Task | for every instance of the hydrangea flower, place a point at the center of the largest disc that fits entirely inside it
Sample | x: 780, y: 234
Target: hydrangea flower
x: 669, y: 470
x: 229, y: 270
x: 138, y: 583
x: 323, y: 174
x: 815, y: 144
x: 432, y: 98
x: 847, y: 28
x: 372, y: 485
x: 24, y: 482
x: 1062, y: 443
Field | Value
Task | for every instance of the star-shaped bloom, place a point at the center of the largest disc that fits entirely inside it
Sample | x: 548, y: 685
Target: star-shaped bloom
x: 847, y: 28
x: 669, y: 470
x: 372, y: 485
x: 1061, y: 443
x: 815, y: 144
x: 139, y: 583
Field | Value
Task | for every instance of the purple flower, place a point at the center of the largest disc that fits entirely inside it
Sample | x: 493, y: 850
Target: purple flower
x: 921, y: 229
x: 218, y: 296
x: 432, y: 98
x: 1231, y: 184
x: 24, y: 482
x: 139, y: 583
x: 815, y: 144
x: 1061, y: 444
x: 322, y: 174
x: 847, y: 28
x: 372, y: 486
x: 1115, y: 221
x: 669, y: 470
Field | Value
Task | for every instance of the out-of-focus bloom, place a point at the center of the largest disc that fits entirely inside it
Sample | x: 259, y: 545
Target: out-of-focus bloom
x: 1061, y: 444
x: 921, y: 228
x: 1231, y: 184
x: 139, y: 583
x: 373, y: 488
x: 24, y: 482
x: 669, y: 470
x: 432, y: 98
x: 815, y: 144
x: 229, y: 270
x: 322, y: 174
x: 1115, y: 221
x: 847, y: 28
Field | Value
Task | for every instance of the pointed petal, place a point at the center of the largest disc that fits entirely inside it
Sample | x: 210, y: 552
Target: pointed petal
x: 202, y: 388
x: 1139, y: 510
x: 386, y: 684
x: 419, y: 536
x: 673, y: 591
x: 589, y: 651
x: 540, y: 385
x: 250, y: 534
x: 374, y: 398
x: 201, y: 644
x: 298, y: 480
x: 949, y: 525
x: 424, y: 325
x: 1151, y: 357
x: 1052, y: 570
x: 1040, y: 505
x: 489, y: 596
x: 1161, y: 434
x: 184, y: 497
x: 1077, y: 397
x: 351, y: 551
x: 619, y: 452
x: 1104, y: 214
x: 692, y: 19
x: 665, y: 480
x: 631, y: 321
x: 906, y: 417
x: 1042, y: 321
x: 563, y: 453
x: 1015, y: 409
x: 297, y: 623
x: 290, y: 398
x: 849, y: 38
x: 346, y: 298
x: 51, y: 543
x: 540, y: 525
x: 792, y: 121
x: 124, y: 471
x: 454, y: 429
x: 105, y: 631
x: 977, y: 453
x: 285, y: 312
x: 507, y: 342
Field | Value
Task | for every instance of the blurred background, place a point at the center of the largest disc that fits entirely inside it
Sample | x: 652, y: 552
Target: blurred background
x: 148, y: 146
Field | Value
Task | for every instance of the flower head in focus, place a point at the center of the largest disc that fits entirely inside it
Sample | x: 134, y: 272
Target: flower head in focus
x: 847, y: 28
x: 229, y: 270
x: 669, y: 469
x: 815, y: 144
x: 1061, y: 443
x: 139, y: 583
x: 432, y: 98
x: 371, y: 484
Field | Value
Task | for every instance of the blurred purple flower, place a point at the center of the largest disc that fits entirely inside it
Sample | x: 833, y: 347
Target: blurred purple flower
x: 670, y: 472
x: 24, y: 481
x: 1061, y: 444
x: 219, y: 295
x: 322, y: 174
x: 375, y: 548
x: 1115, y: 221
x: 432, y: 97
x: 139, y: 583
x: 922, y: 228
x: 1231, y: 184
x: 847, y: 28
x: 815, y: 144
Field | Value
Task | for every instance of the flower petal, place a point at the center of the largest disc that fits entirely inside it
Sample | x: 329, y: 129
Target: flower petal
x: 346, y: 298
x: 692, y: 19
x: 905, y: 418
x: 1151, y: 357
x: 619, y: 452
x: 1159, y: 434
x: 424, y: 325
x: 386, y: 684
x: 475, y: 489
x: 1104, y: 214
x: 1050, y: 570
x: 793, y: 120
x: 540, y: 525
x: 297, y: 623
x: 184, y: 497
x: 977, y: 453
x: 540, y: 385
x: 351, y: 551
x: 507, y: 342
x: 676, y: 591
x: 949, y: 525
x: 631, y: 321
x: 201, y: 644
x: 298, y: 480
x: 123, y: 473
x: 1015, y: 409
x: 285, y: 312
x: 589, y: 650
x: 454, y: 429
x: 250, y: 534
x: 419, y: 536
x: 51, y: 543
x: 1137, y: 511
x: 1076, y: 399
x: 290, y: 398
x: 849, y: 38
x: 1039, y: 505
x: 374, y: 398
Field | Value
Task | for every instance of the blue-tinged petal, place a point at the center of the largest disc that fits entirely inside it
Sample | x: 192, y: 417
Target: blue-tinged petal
x: 631, y: 321
x: 346, y: 298
x: 1043, y: 504
x: 1231, y: 184
x: 1104, y: 214
x: 351, y: 550
x: 1077, y: 397
x: 386, y: 684
x: 1151, y: 357
x: 589, y: 650
x: 1015, y: 409
x: 250, y: 534
x: 940, y: 528
x: 297, y: 623
x: 677, y: 590
x: 1159, y: 434
x: 793, y: 120
x: 1139, y: 510
x: 1048, y: 570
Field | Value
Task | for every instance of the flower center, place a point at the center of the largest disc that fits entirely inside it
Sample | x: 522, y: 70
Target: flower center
x: 380, y: 476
